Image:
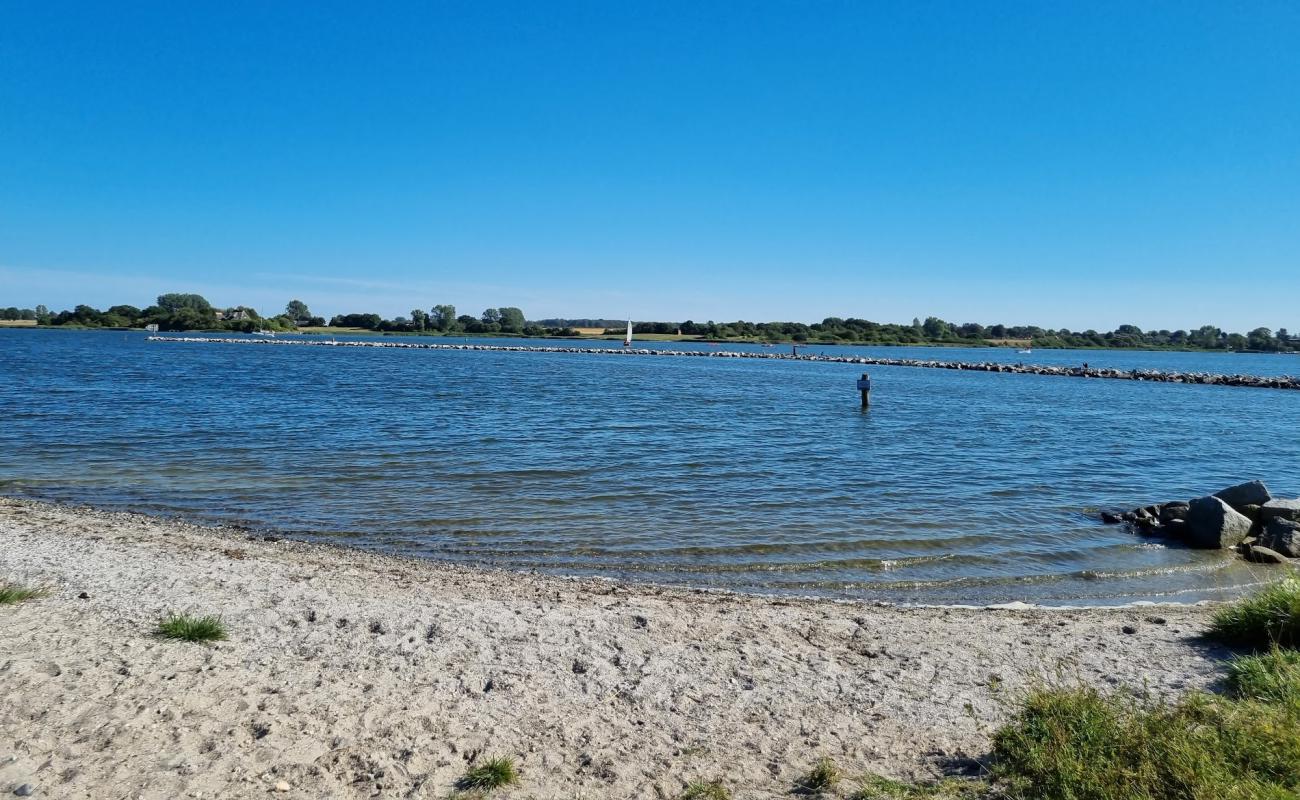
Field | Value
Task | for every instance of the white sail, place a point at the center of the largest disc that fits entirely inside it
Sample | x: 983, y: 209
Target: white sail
x: 627, y: 341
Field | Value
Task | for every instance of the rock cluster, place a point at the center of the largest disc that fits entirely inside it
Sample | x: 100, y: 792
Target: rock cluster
x: 1247, y: 516
x: 1153, y: 375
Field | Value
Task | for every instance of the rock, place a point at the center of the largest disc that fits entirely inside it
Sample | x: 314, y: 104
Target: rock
x: 1212, y: 523
x: 1112, y: 517
x: 1279, y: 509
x: 1176, y: 510
x: 1263, y: 555
x: 1245, y: 494
x: 1129, y: 629
x: 1153, y: 510
x: 282, y: 786
x: 1250, y: 512
x: 1174, y: 529
x: 1147, y: 525
x: 1282, y: 536
x: 26, y: 790
x: 83, y: 596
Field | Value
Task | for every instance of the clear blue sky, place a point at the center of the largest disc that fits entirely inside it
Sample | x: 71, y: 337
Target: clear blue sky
x: 1079, y: 165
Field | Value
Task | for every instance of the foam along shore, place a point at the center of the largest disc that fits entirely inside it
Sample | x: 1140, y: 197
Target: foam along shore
x: 351, y: 674
x: 1156, y: 376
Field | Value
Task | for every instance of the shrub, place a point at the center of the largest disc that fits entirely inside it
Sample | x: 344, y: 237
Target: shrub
x: 1270, y: 618
x: 705, y: 790
x: 192, y: 629
x: 492, y: 773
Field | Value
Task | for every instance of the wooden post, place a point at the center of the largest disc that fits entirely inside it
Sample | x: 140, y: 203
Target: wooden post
x: 864, y: 386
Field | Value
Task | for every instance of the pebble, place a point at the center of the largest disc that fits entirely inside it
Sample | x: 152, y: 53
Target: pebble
x: 1129, y: 629
x: 26, y: 790
x: 83, y: 596
x: 282, y: 786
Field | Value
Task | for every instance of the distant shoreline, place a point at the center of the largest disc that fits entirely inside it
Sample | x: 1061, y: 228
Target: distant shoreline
x: 667, y: 338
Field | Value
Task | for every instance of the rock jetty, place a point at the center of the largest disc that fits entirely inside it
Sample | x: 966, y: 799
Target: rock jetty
x: 1155, y: 376
x: 1246, y: 517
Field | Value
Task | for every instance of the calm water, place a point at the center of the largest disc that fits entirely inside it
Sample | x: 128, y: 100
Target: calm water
x: 956, y: 487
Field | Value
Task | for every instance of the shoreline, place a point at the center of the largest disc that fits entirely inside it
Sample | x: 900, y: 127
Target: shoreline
x: 350, y: 673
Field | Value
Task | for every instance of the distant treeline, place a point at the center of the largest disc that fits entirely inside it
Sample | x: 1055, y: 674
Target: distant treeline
x: 937, y: 331
x: 175, y: 312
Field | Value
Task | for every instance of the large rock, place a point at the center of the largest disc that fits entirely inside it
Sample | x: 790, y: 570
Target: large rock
x: 1282, y: 535
x: 1279, y: 509
x: 1212, y: 523
x: 1176, y: 510
x: 1254, y: 493
x: 1263, y: 555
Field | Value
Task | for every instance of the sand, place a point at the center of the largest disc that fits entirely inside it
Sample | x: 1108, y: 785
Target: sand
x: 355, y: 675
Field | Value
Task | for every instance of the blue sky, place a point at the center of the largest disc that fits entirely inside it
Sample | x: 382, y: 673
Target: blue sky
x: 1079, y: 165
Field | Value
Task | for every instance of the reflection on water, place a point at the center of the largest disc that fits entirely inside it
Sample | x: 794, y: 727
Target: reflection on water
x: 956, y: 487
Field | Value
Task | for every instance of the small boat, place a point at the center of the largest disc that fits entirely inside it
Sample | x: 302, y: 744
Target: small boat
x: 627, y: 340
x: 264, y: 333
x: 1028, y: 349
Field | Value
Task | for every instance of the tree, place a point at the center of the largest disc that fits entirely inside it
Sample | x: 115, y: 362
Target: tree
x: 172, y: 303
x: 511, y: 319
x: 443, y: 318
x: 491, y: 316
x: 297, y: 311
x: 418, y: 318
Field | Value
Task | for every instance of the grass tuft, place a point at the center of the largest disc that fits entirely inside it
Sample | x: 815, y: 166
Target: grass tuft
x: 874, y: 787
x: 1270, y: 618
x: 493, y: 773
x: 822, y: 778
x: 1078, y: 744
x: 1271, y: 677
x: 705, y: 790
x: 13, y: 593
x: 192, y: 629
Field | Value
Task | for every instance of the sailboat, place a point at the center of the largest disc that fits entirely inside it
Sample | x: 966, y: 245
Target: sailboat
x: 1028, y: 348
x: 627, y: 340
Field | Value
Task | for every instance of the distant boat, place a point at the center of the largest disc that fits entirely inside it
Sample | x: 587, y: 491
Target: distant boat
x: 152, y: 327
x: 627, y: 340
x: 1029, y: 349
x: 264, y: 333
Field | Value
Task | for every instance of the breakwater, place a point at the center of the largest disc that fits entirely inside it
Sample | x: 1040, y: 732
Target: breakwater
x: 1155, y: 376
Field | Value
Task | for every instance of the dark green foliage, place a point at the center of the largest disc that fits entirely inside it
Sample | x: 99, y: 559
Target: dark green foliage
x: 1077, y: 744
x: 822, y: 778
x: 492, y: 773
x: 12, y: 593
x: 192, y: 629
x: 1269, y: 618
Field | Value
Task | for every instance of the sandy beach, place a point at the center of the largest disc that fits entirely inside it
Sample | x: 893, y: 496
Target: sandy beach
x: 354, y: 675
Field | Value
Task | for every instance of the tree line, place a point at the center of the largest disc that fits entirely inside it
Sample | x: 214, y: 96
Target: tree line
x: 178, y: 312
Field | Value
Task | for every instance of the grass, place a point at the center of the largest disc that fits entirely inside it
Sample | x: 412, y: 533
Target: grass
x: 13, y: 593
x: 822, y: 778
x: 705, y: 790
x: 192, y: 629
x: 1078, y: 744
x: 492, y: 773
x: 874, y: 787
x: 1270, y: 618
x: 1271, y: 677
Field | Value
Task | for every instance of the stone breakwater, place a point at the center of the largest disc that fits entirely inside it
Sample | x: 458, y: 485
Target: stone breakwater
x: 1155, y: 376
x: 1246, y: 517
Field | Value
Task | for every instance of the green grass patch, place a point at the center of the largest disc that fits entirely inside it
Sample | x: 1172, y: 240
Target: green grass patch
x: 1270, y: 618
x: 705, y: 790
x: 493, y: 773
x: 1271, y: 677
x: 192, y: 629
x: 13, y: 593
x: 822, y: 778
x: 1078, y: 744
x: 874, y: 787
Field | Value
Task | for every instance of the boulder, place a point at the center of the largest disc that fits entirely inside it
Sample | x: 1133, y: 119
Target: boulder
x: 1174, y: 529
x: 1254, y: 493
x: 1250, y: 511
x: 1176, y: 510
x: 1263, y: 555
x: 1283, y: 536
x: 1112, y: 517
x: 1212, y: 523
x: 1279, y: 509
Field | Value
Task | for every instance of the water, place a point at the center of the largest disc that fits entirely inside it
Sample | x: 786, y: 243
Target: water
x: 956, y: 487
